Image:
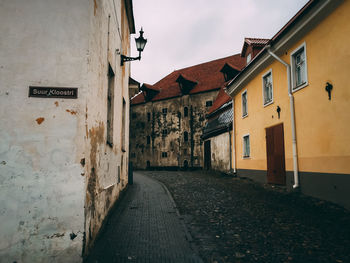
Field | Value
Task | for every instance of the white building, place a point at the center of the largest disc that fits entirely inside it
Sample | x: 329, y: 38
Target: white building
x: 64, y: 111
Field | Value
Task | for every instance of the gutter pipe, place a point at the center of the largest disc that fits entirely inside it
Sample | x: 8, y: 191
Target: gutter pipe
x: 233, y: 139
x: 292, y: 116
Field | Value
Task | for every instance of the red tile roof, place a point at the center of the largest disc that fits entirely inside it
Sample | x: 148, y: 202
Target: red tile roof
x: 207, y: 76
x: 255, y: 42
x: 220, y: 100
x: 146, y: 86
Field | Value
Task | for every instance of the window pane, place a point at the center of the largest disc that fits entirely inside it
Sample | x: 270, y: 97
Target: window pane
x: 246, y: 146
x: 300, y: 67
x: 244, y: 103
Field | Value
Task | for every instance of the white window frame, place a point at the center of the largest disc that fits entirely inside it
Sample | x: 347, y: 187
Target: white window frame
x: 244, y: 115
x: 244, y: 147
x: 263, y: 88
x: 293, y: 68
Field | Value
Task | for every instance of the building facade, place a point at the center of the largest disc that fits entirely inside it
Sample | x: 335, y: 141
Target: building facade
x: 167, y: 118
x: 291, y: 106
x: 64, y: 109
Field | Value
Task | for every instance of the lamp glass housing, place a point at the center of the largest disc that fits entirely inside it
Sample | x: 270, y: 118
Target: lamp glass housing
x: 140, y: 42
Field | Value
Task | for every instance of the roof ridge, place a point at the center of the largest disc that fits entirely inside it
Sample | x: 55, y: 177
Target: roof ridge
x: 177, y: 70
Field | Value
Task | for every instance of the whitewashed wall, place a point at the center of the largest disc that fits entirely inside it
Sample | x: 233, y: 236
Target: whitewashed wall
x: 220, y: 152
x: 43, y: 185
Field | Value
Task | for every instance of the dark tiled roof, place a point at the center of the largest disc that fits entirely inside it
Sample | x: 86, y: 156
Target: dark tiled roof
x: 218, y: 124
x: 207, y: 77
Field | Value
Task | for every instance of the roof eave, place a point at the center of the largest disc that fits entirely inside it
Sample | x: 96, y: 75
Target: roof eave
x: 130, y: 15
x: 285, y: 39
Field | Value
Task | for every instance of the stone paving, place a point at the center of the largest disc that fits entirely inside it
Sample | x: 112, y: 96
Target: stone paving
x: 145, y: 227
x: 236, y: 220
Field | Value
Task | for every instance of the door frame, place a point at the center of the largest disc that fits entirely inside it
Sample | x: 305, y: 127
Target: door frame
x: 275, y: 155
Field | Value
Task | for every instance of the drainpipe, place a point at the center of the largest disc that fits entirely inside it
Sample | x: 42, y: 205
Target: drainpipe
x: 292, y: 116
x: 233, y: 138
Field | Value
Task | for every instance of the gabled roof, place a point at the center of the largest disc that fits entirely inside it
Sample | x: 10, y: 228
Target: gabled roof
x: 255, y: 42
x: 207, y: 77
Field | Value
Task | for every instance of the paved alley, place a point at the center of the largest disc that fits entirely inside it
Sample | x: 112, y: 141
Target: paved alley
x: 237, y: 220
x: 145, y: 227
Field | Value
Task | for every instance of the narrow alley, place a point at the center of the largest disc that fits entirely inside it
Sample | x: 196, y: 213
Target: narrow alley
x: 228, y: 220
x: 145, y: 227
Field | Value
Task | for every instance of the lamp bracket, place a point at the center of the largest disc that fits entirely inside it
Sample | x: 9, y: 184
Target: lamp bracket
x: 126, y: 59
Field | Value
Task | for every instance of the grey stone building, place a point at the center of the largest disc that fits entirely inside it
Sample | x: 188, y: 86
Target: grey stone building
x: 167, y: 118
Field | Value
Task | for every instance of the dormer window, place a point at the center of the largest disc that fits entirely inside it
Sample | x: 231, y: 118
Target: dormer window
x: 186, y: 84
x: 249, y: 57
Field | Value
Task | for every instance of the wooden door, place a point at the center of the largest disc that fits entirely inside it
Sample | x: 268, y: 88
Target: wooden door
x: 207, y: 155
x: 276, y: 170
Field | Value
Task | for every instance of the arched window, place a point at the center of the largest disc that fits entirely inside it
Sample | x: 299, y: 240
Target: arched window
x: 185, y: 136
x: 185, y: 111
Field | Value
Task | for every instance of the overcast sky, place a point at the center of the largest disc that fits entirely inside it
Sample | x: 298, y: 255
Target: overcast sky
x: 184, y: 33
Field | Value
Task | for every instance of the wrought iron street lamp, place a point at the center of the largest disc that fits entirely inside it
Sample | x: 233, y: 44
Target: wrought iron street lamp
x: 140, y: 45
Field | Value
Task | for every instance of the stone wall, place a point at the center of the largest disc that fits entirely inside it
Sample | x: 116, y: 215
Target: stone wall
x: 167, y: 146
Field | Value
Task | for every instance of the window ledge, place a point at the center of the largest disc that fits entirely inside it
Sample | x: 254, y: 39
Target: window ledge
x: 244, y: 116
x: 268, y: 103
x: 246, y: 157
x: 301, y: 86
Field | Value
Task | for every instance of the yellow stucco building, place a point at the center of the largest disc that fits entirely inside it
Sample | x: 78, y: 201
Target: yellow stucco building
x: 292, y: 105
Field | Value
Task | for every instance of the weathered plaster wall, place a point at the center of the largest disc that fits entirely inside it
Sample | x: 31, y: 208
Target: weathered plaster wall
x: 175, y: 123
x: 41, y: 197
x: 220, y: 152
x: 58, y: 177
x: 106, y: 166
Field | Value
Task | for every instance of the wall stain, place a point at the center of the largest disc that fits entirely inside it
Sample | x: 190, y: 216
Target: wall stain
x: 96, y: 135
x: 40, y: 120
x: 73, y: 112
x: 56, y: 103
x: 95, y: 7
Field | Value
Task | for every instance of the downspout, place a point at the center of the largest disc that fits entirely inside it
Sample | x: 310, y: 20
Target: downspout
x: 233, y: 138
x: 292, y: 116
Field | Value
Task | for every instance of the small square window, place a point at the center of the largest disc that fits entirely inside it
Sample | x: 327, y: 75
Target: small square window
x: 164, y: 154
x: 148, y: 116
x: 148, y: 140
x: 165, y: 132
x: 185, y: 151
x: 209, y: 103
x: 267, y: 88
x: 299, y: 67
x: 246, y: 146
x: 244, y: 104
x: 164, y: 111
x: 133, y: 155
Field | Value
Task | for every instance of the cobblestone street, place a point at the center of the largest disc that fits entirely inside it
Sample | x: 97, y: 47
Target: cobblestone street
x: 236, y: 220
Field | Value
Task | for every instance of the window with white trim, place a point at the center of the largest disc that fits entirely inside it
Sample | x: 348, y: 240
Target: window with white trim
x: 244, y: 104
x: 299, y: 67
x: 246, y: 146
x: 267, y: 88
